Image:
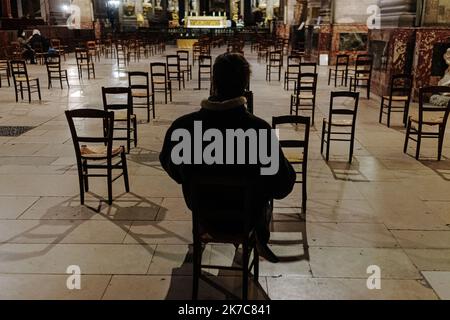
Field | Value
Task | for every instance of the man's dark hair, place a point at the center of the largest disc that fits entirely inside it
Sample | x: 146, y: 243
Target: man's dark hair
x: 231, y: 75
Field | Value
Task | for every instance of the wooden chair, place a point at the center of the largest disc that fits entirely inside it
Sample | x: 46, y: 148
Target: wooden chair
x: 99, y: 151
x: 5, y: 72
x: 362, y: 74
x: 56, y: 44
x: 123, y: 111
x: 210, y: 219
x: 54, y: 71
x: 204, y: 70
x: 140, y: 90
x: 174, y: 70
x: 292, y: 70
x: 340, y: 70
x: 398, y: 99
x: 275, y: 62
x: 195, y: 52
x: 296, y: 151
x: 340, y: 117
x: 304, y: 97
x: 22, y: 82
x: 84, y: 60
x: 186, y: 67
x: 429, y: 116
x: 122, y: 55
x: 39, y: 52
x: 93, y: 50
x: 159, y: 81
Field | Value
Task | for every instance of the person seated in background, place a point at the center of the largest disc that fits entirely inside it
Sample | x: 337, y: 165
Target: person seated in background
x: 37, y: 41
x: 28, y: 53
x: 225, y: 110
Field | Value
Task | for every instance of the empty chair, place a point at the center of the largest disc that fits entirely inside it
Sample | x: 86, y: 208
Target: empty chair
x: 340, y: 70
x: 195, y: 52
x: 113, y: 100
x: 210, y: 219
x: 99, y: 150
x: 139, y: 83
x: 398, y: 99
x: 22, y: 82
x: 54, y: 71
x: 341, y: 121
x: 122, y: 55
x: 56, y: 45
x: 275, y: 62
x: 84, y: 61
x: 4, y: 72
x: 296, y: 150
x: 429, y: 121
x: 174, y: 70
x: 304, y: 97
x: 159, y: 81
x: 185, y: 65
x: 204, y: 69
x: 362, y: 74
x: 93, y: 50
x: 292, y: 70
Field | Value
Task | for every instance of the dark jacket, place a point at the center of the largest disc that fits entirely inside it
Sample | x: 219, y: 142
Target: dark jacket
x: 230, y: 114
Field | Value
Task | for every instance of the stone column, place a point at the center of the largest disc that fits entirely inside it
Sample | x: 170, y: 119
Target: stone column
x: 6, y: 8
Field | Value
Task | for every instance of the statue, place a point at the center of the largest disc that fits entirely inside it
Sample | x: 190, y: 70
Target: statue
x: 442, y: 100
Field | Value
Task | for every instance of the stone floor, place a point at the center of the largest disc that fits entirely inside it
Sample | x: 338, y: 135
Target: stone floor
x: 386, y: 209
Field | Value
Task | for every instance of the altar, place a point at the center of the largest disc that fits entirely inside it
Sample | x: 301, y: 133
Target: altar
x: 208, y: 22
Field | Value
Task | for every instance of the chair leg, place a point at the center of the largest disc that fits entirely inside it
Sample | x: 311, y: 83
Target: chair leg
x: 39, y: 89
x: 419, y: 142
x: 408, y: 131
x: 329, y: 77
x: 255, y: 264
x: 245, y: 259
x: 389, y: 114
x: 109, y: 178
x: 80, y: 181
x: 352, y: 144
x: 380, y: 119
x: 85, y: 173
x: 304, y: 189
x: 328, y: 143
x: 125, y: 172
x: 322, y: 140
x: 153, y: 105
x: 135, y: 131
x: 197, y: 259
x: 440, y: 141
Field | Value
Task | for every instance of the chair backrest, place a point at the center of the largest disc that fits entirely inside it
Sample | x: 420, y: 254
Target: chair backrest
x: 157, y: 70
x: 294, y: 61
x: 53, y: 62
x: 349, y: 109
x: 342, y: 61
x: 55, y: 43
x: 91, y: 45
x: 401, y: 85
x: 306, y: 82
x: 184, y: 56
x: 213, y: 213
x: 275, y: 58
x: 18, y: 69
x: 115, y: 93
x: 205, y: 61
x: 107, y: 133
x: 82, y: 55
x: 425, y: 94
x: 173, y: 63
x: 310, y: 67
x: 142, y: 80
x: 297, y: 143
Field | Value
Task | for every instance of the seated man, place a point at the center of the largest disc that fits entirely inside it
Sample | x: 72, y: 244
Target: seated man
x: 222, y: 113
